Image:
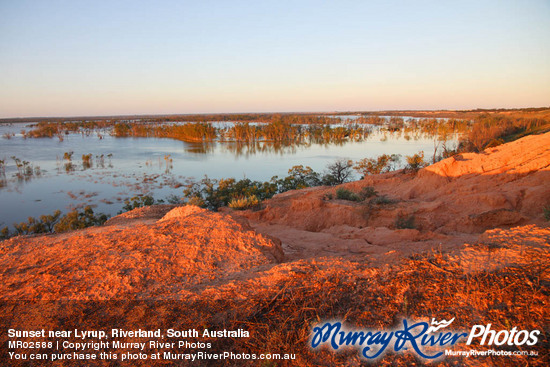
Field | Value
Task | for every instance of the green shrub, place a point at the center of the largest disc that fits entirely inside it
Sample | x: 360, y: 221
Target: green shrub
x: 213, y: 194
x: 55, y: 223
x: 546, y: 212
x: 78, y: 220
x: 299, y: 178
x: 367, y: 192
x: 343, y: 194
x: 174, y: 199
x: 405, y: 222
x: 244, y: 203
x: 137, y: 202
x: 217, y: 193
x: 382, y: 200
x: 44, y: 224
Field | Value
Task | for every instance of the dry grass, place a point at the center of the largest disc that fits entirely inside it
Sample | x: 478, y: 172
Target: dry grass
x: 280, y: 317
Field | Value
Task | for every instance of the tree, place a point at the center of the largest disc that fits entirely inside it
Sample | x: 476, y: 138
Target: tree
x: 299, y: 178
x: 338, y: 172
x: 371, y: 166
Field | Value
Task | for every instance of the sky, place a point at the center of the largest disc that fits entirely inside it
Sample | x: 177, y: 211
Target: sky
x: 84, y: 58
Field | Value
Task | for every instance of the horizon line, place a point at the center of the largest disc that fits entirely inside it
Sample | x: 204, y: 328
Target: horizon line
x: 6, y: 119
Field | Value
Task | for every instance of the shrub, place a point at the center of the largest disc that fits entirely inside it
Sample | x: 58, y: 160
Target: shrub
x: 370, y: 166
x: 197, y: 201
x: 55, y: 223
x: 213, y: 194
x: 4, y: 233
x: 78, y: 220
x: 244, y: 203
x: 137, y: 202
x: 415, y: 161
x: 174, y: 199
x: 299, y: 178
x: 367, y: 192
x: 49, y: 221
x: 546, y: 212
x: 217, y: 193
x: 405, y: 222
x: 86, y: 161
x: 44, y: 224
x: 343, y: 194
x: 382, y: 200
x: 68, y: 155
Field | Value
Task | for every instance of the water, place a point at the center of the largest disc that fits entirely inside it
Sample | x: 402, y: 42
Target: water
x: 159, y: 167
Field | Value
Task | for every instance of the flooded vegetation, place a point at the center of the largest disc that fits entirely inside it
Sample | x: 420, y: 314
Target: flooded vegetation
x: 107, y: 163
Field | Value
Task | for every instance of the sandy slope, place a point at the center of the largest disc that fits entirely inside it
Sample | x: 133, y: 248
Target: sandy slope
x: 452, y: 202
x: 134, y: 259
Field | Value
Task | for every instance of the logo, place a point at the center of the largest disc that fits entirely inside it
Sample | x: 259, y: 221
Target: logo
x: 428, y: 341
x: 439, y: 325
x: 512, y: 337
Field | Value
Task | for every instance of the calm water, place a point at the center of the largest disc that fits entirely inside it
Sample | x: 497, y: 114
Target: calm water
x: 155, y: 166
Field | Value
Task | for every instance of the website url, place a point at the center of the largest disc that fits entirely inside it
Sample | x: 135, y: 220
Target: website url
x: 491, y: 352
x: 228, y: 355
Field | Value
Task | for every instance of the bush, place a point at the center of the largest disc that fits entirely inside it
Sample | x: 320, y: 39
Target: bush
x: 382, y: 200
x: 244, y: 203
x: 416, y: 161
x: 55, y: 223
x: 371, y: 166
x: 86, y: 161
x: 78, y: 220
x: 44, y: 224
x: 546, y: 212
x: 343, y: 194
x: 197, y: 201
x: 405, y: 222
x: 367, y: 192
x: 173, y: 199
x: 213, y: 194
x: 4, y: 233
x: 137, y: 202
x: 299, y: 178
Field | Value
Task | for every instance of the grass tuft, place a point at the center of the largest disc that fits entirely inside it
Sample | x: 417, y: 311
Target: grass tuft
x: 244, y: 203
x: 344, y: 194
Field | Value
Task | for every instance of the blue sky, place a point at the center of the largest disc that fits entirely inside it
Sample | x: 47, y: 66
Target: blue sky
x: 75, y: 58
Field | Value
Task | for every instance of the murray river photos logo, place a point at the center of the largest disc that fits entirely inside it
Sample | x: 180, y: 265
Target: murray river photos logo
x: 428, y: 341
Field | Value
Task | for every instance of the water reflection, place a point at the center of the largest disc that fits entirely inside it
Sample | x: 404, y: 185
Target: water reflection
x: 316, y: 137
x: 199, y: 147
x: 101, y: 170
